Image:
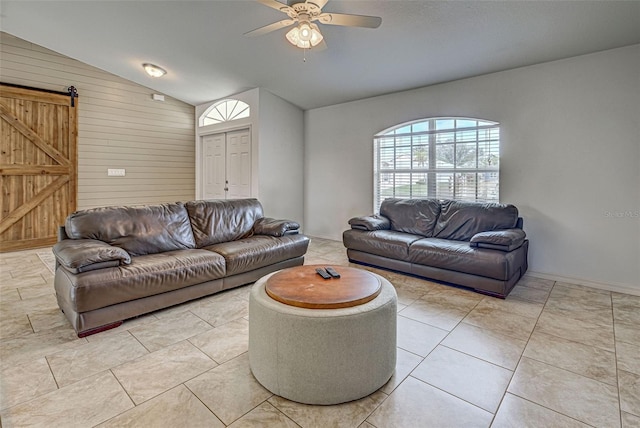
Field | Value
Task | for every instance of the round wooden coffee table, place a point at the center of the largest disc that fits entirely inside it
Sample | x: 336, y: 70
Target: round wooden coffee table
x: 318, y: 341
x: 303, y: 287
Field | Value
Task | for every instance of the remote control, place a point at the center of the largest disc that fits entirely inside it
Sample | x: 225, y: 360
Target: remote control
x: 331, y: 271
x: 323, y: 274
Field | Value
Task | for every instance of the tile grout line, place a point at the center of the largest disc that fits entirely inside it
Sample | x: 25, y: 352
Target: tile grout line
x: 513, y: 373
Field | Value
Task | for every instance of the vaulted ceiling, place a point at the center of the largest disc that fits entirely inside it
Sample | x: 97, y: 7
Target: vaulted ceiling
x: 202, y: 46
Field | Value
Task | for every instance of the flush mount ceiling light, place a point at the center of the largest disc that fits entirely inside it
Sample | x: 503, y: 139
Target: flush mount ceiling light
x: 305, y: 35
x: 153, y: 70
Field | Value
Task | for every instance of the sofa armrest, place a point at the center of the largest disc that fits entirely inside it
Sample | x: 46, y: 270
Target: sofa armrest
x: 503, y: 240
x: 82, y: 255
x: 62, y: 233
x: 370, y: 222
x: 273, y: 227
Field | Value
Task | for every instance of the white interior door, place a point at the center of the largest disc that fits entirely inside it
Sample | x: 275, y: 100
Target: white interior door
x: 239, y: 164
x: 214, y: 168
x: 226, y: 167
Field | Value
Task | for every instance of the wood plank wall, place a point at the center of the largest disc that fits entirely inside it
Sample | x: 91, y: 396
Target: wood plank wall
x: 119, y: 126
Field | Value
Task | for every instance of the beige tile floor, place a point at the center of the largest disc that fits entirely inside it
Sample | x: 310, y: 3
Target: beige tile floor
x: 550, y: 355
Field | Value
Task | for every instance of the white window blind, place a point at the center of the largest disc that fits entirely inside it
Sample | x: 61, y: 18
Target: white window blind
x: 443, y: 158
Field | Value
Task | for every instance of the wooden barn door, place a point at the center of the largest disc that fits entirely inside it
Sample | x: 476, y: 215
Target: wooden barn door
x: 38, y: 166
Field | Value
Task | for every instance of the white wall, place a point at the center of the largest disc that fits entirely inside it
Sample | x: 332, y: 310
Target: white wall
x: 119, y: 126
x: 570, y: 159
x: 281, y: 158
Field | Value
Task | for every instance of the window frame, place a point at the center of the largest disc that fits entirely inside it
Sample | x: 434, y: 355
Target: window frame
x: 227, y: 110
x: 425, y: 133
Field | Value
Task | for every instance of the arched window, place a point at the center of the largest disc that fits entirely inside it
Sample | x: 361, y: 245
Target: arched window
x: 443, y: 158
x: 225, y: 111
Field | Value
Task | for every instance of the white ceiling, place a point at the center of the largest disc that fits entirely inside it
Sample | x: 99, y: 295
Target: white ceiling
x: 419, y: 43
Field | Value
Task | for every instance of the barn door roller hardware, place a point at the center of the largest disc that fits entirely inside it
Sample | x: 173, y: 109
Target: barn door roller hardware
x: 73, y: 93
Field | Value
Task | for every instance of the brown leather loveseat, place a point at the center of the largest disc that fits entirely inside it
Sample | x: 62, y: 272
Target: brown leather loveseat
x: 116, y: 263
x: 476, y: 245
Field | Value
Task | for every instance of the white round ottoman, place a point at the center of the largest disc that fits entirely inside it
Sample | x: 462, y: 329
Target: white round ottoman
x: 322, y: 356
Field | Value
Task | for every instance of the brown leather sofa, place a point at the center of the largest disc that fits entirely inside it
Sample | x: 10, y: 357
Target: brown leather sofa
x: 116, y: 263
x: 476, y: 245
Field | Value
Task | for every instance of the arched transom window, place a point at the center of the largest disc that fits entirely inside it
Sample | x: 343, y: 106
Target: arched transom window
x: 225, y: 111
x: 443, y: 158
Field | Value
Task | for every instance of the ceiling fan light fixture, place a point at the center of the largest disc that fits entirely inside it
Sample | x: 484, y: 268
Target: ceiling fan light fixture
x: 305, y: 35
x: 302, y: 13
x: 316, y: 35
x: 305, y: 32
x: 153, y: 70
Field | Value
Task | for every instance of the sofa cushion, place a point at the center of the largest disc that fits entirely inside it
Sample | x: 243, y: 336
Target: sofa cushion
x: 461, y: 257
x: 145, y: 276
x: 386, y: 243
x: 415, y: 216
x: 257, y: 251
x: 461, y: 220
x: 138, y: 230
x: 216, y: 221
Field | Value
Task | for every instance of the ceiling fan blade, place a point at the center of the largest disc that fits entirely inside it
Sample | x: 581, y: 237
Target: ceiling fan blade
x: 350, y: 20
x: 319, y: 3
x: 275, y: 5
x: 269, y: 28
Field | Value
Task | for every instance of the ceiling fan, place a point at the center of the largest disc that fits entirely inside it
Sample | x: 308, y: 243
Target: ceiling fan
x: 303, y: 14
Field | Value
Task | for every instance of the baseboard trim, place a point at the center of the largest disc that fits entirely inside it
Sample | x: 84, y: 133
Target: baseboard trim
x: 618, y: 288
